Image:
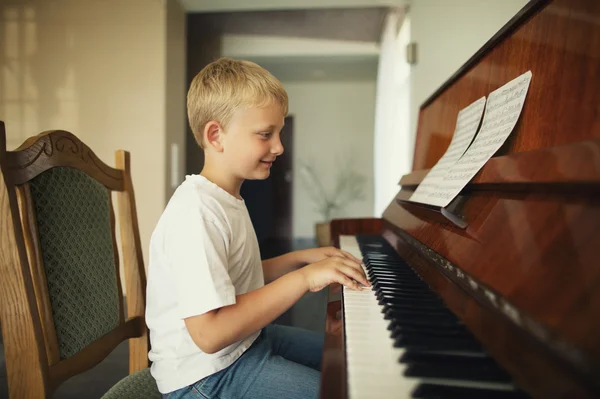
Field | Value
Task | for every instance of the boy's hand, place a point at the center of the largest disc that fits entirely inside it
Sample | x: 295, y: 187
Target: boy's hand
x: 334, y: 269
x: 318, y: 254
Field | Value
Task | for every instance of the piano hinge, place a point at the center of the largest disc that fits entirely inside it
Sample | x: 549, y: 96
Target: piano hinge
x: 453, y: 212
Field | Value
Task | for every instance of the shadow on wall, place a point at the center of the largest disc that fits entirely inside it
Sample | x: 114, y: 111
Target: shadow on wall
x: 48, y: 69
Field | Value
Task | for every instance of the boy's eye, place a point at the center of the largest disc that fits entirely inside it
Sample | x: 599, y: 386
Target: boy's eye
x: 265, y: 135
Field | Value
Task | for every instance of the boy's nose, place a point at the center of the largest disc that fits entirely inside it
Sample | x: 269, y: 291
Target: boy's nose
x: 277, y: 148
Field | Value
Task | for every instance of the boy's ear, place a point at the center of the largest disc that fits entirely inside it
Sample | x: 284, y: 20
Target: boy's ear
x: 213, y: 136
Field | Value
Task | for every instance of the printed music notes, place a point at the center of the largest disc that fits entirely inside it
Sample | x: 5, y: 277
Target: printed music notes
x: 467, y: 123
x: 502, y: 112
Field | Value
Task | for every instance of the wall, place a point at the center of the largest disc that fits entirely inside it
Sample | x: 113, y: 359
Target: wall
x: 99, y: 70
x: 331, y: 120
x: 448, y: 33
x: 176, y: 90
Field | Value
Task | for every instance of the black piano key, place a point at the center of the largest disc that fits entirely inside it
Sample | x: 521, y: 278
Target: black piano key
x: 454, y: 331
x: 389, y: 267
x: 411, y: 356
x: 381, y: 255
x: 421, y: 301
x: 401, y: 314
x: 391, y: 275
x: 432, y: 391
x: 392, y: 271
x: 471, y: 359
x: 437, y: 344
x: 398, y: 280
x: 391, y: 291
x: 415, y: 308
x: 391, y: 296
x: 393, y: 283
x: 414, y: 305
x: 454, y: 367
x: 390, y: 278
x: 396, y: 283
x: 422, y: 322
x: 399, y: 287
x: 417, y: 292
x: 384, y: 297
x: 457, y: 372
x: 466, y: 341
x: 404, y: 296
x: 387, y: 263
x: 425, y: 299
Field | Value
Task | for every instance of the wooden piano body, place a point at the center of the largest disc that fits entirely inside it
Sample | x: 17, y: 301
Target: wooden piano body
x: 524, y: 275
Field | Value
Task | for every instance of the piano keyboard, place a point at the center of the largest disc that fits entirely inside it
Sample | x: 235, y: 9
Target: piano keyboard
x: 402, y: 342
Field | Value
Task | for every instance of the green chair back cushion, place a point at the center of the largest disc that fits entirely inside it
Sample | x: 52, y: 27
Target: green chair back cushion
x: 73, y: 217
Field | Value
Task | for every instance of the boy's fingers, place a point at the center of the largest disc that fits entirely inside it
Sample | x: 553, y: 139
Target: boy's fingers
x: 351, y: 263
x: 346, y: 282
x: 357, y: 271
x: 350, y: 256
x: 345, y: 254
x: 356, y: 275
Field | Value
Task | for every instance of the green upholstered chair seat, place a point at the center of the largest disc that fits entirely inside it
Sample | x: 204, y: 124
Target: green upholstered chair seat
x: 140, y: 385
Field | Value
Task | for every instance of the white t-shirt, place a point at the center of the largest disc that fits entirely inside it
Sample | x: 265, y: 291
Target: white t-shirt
x: 203, y: 252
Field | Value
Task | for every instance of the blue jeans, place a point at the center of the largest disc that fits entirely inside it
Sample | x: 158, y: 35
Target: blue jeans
x: 283, y: 362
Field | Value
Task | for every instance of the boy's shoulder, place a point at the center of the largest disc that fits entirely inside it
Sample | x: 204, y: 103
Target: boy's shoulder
x: 193, y: 196
x: 197, y: 197
x: 189, y: 208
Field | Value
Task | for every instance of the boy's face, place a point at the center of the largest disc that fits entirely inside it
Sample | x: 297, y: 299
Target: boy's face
x: 252, y: 141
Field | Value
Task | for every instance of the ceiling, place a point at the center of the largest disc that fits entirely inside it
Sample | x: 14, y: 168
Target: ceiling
x: 331, y: 69
x: 248, y: 5
x: 338, y: 25
x: 346, y: 24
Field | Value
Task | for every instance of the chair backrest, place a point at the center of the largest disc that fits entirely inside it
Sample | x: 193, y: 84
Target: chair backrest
x: 61, y: 298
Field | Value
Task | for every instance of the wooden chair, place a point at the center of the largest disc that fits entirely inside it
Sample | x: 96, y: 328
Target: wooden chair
x: 61, y: 298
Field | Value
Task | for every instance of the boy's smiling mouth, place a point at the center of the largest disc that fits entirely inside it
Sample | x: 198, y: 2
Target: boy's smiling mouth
x: 268, y: 162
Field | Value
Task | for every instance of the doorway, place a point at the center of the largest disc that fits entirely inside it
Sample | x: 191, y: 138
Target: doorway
x: 269, y: 201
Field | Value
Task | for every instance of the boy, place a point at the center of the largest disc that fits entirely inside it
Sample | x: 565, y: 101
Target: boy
x: 209, y: 298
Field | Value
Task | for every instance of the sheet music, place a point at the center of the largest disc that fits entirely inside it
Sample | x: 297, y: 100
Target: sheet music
x: 467, y: 123
x: 502, y: 112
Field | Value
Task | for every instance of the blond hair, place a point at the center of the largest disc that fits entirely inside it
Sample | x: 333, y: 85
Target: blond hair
x: 224, y: 86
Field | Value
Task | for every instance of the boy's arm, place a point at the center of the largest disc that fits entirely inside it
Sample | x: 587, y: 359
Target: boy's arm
x: 276, y: 267
x: 219, y: 328
x: 252, y: 311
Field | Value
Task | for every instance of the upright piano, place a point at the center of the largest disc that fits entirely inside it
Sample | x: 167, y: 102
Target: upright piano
x: 508, y: 304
